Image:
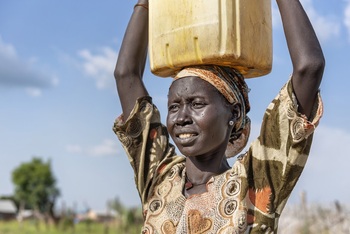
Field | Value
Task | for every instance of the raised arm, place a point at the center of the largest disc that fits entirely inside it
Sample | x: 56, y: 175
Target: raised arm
x: 132, y: 58
x: 305, y: 51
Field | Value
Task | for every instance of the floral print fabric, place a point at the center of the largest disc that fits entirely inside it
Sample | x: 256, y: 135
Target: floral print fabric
x: 248, y: 198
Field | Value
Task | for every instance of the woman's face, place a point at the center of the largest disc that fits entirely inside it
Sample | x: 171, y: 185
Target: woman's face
x: 198, y: 117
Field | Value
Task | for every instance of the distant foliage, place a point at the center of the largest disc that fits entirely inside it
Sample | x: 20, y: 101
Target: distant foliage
x: 35, y: 186
x: 315, y: 219
x: 130, y: 219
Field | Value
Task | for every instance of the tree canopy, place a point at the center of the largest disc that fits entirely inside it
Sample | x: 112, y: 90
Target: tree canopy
x: 35, y: 185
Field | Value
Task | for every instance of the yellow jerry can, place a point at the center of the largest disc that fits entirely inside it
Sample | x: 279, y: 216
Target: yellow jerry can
x: 234, y: 33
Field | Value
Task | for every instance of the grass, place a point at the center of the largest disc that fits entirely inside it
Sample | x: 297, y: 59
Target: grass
x: 32, y: 227
x: 295, y: 219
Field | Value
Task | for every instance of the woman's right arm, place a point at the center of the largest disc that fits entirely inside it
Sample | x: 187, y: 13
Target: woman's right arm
x: 132, y: 58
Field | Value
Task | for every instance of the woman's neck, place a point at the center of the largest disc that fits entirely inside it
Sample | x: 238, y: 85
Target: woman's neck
x: 199, y: 172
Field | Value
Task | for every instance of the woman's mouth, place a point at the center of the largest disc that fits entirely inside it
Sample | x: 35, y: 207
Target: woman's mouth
x: 186, y: 135
x: 186, y: 139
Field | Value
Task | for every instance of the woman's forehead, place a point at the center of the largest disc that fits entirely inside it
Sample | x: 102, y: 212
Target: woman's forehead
x: 190, y: 82
x: 192, y: 86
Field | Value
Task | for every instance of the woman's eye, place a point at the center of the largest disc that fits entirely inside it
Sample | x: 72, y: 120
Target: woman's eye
x: 172, y: 108
x: 198, y: 104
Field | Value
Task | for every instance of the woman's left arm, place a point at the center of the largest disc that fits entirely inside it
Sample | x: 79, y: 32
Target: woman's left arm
x: 306, y: 54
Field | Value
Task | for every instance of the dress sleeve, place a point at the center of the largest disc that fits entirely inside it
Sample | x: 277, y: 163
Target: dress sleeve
x: 146, y: 143
x: 277, y: 157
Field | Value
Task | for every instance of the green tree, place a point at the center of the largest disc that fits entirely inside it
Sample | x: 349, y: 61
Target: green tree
x: 35, y: 186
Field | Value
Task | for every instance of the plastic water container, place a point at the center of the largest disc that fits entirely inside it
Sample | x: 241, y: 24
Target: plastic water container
x: 234, y: 33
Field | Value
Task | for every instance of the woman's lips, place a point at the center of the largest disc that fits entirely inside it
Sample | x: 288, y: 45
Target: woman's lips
x: 186, y: 135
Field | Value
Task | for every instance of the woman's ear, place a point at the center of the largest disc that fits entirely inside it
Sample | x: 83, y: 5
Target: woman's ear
x: 235, y: 118
x: 236, y: 111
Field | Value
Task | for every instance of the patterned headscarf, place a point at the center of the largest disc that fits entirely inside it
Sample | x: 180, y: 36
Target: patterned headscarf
x: 232, y: 86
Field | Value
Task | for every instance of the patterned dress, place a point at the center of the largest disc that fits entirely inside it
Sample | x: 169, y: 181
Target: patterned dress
x: 248, y: 198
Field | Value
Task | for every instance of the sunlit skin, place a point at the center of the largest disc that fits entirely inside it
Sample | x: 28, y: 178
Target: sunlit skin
x: 198, y: 122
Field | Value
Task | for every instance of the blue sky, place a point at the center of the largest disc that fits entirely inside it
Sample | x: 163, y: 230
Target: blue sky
x: 58, y: 98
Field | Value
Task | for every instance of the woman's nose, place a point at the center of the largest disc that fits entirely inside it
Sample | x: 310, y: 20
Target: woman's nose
x: 183, y: 117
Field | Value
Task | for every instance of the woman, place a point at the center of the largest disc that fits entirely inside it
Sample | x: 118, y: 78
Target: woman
x: 201, y: 193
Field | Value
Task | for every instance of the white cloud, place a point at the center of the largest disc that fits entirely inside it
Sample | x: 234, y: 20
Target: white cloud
x: 326, y: 27
x: 7, y: 50
x: 347, y: 18
x: 330, y: 144
x: 34, y: 92
x: 327, y: 169
x: 105, y: 148
x: 100, y: 66
x: 18, y: 72
x: 74, y: 149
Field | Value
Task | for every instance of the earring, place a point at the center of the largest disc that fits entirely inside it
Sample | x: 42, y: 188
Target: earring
x: 231, y: 123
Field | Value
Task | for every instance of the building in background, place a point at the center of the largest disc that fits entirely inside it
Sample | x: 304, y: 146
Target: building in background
x: 8, y: 210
